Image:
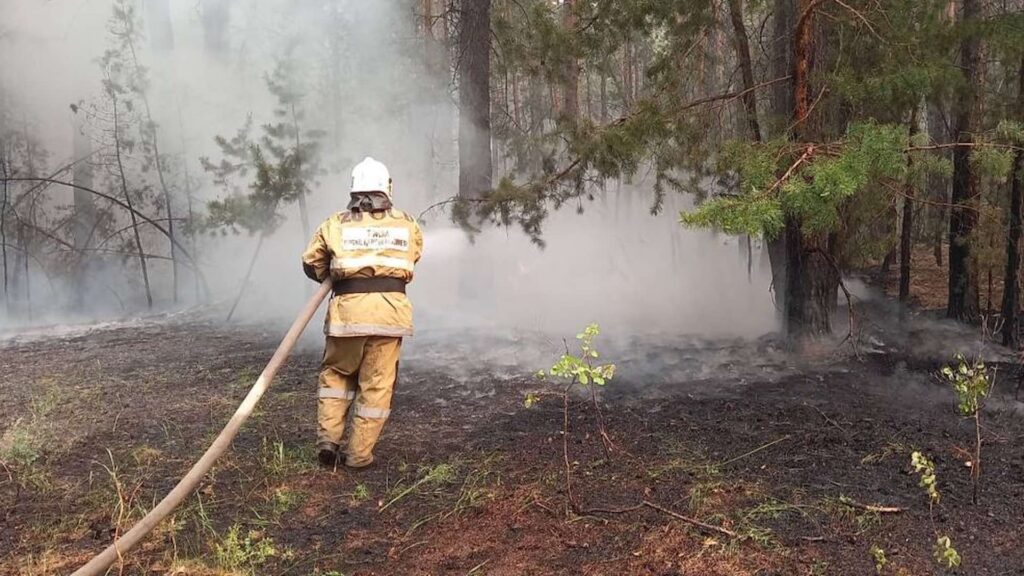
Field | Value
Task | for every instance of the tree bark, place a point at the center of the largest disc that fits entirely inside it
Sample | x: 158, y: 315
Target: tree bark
x: 475, y: 168
x: 882, y: 274
x: 783, y: 25
x: 938, y: 184
x: 571, y: 86
x: 427, y: 20
x: 811, y: 276
x: 475, y: 157
x: 3, y: 233
x: 587, y: 92
x: 22, y: 266
x: 746, y: 67
x: 627, y: 73
x: 907, y: 227
x: 811, y: 283
x: 1011, y: 280
x: 604, y: 96
x: 742, y: 46
x: 781, y: 64
x: 963, y: 303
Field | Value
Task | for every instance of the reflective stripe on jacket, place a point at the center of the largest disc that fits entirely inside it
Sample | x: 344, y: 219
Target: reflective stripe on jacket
x: 362, y: 245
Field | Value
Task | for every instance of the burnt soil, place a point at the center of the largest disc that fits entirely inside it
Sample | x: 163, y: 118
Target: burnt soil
x: 98, y: 425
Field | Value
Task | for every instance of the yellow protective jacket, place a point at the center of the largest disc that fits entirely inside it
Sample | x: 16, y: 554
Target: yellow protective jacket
x: 366, y: 245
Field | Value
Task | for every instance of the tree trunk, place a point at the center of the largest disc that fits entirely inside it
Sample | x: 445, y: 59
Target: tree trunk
x: 604, y: 97
x: 627, y: 74
x: 746, y: 67
x: 475, y: 159
x: 3, y: 234
x: 475, y: 99
x: 85, y: 219
x: 882, y: 274
x: 716, y: 52
x: 303, y: 210
x: 907, y: 228
x: 248, y: 276
x: 938, y: 184
x: 963, y: 301
x: 988, y: 294
x: 811, y: 283
x: 1011, y: 280
x: 588, y: 93
x: 168, y: 204
x: 427, y: 21
x: 189, y: 198
x: 571, y: 87
x: 783, y: 24
x: 151, y: 131
x: 811, y: 277
x: 517, y: 116
x: 128, y: 202
x: 781, y: 64
x: 23, y: 268
x: 749, y: 98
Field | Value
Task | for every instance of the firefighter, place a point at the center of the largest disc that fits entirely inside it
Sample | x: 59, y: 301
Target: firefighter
x: 369, y: 251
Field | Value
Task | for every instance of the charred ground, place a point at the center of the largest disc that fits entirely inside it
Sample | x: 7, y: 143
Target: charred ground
x: 98, y: 425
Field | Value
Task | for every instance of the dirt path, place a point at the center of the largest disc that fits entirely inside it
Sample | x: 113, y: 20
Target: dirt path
x: 97, y: 426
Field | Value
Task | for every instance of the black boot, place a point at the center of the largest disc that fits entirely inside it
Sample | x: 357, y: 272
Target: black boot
x: 327, y: 454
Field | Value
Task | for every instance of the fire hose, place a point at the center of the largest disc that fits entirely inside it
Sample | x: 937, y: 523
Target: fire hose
x: 187, y: 485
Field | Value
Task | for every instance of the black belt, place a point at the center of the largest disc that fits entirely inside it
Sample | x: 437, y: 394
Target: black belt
x: 368, y: 285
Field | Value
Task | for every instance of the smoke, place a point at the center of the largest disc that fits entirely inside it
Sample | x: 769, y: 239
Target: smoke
x: 367, y: 84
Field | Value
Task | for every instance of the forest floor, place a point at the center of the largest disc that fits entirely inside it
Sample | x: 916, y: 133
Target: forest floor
x: 788, y: 455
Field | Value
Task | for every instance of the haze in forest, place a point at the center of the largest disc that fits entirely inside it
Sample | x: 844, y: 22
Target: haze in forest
x: 365, y: 82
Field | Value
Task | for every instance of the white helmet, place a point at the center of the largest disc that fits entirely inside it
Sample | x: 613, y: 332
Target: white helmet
x: 371, y: 176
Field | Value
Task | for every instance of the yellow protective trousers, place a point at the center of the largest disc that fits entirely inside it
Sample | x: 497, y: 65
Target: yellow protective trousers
x: 359, y: 372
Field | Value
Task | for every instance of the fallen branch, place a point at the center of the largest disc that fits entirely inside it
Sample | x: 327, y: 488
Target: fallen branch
x: 614, y: 510
x: 688, y: 520
x: 825, y: 416
x: 754, y: 451
x: 876, y: 508
x: 663, y: 510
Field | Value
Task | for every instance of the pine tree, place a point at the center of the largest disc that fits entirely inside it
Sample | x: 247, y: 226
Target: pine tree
x: 260, y: 177
x: 124, y: 56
